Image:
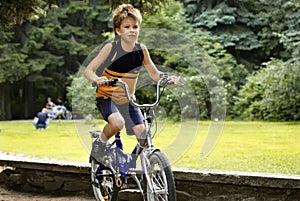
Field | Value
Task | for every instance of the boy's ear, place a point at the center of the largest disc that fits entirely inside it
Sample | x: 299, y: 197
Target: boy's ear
x: 117, y: 30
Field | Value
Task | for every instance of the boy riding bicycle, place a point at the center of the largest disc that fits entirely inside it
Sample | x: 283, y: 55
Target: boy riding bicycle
x: 122, y: 58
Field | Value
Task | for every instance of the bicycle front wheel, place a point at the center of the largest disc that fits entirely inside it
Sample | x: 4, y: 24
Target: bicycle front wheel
x: 103, y: 183
x: 160, y: 185
x: 67, y: 115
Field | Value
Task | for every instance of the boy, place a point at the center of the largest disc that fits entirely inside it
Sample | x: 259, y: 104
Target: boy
x: 121, y: 59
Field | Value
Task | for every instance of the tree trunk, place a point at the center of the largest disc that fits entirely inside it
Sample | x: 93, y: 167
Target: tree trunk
x: 29, y: 100
x: 5, y: 103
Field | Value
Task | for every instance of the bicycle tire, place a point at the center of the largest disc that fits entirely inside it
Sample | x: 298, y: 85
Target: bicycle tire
x: 104, y: 188
x: 162, y: 179
x: 67, y: 115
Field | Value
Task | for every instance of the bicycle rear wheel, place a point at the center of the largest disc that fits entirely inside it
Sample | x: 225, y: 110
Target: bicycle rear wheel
x: 161, y: 179
x: 103, y: 183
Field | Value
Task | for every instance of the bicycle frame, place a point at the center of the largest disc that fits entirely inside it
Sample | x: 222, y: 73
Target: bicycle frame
x: 121, y: 162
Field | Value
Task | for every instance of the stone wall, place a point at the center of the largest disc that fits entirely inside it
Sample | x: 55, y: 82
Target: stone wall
x: 56, y: 177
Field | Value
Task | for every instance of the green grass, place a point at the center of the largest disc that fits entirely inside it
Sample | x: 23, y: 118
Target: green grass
x: 60, y: 141
x: 253, y: 146
x: 243, y: 146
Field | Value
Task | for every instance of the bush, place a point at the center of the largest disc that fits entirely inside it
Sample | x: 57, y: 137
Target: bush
x: 273, y: 93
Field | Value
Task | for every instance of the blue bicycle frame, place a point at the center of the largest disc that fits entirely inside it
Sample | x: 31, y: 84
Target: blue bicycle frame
x: 121, y: 161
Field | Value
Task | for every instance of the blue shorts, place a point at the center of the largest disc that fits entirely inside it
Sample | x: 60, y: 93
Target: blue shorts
x: 132, y: 116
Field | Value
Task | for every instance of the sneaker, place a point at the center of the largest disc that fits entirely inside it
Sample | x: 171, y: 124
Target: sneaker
x: 98, y: 151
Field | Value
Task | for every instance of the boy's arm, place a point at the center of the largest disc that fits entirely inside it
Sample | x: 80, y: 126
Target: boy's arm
x: 149, y: 65
x: 90, y: 70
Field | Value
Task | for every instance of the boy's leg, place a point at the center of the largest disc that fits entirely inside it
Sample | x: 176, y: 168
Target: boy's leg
x: 115, y: 123
x: 139, y: 131
x: 134, y: 122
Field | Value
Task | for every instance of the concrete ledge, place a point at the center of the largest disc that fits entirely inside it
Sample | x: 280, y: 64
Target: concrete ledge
x: 253, y: 179
x: 59, y: 177
x: 44, y: 164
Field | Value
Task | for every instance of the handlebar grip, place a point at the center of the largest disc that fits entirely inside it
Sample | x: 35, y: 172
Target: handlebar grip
x: 110, y: 82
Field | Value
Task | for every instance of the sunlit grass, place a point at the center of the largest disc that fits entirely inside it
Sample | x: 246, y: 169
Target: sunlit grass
x: 252, y: 146
x: 243, y: 146
x: 59, y: 141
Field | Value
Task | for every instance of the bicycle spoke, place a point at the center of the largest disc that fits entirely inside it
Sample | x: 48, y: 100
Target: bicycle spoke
x: 159, y: 186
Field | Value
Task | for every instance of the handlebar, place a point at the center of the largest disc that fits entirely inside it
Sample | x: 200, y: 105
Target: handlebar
x: 163, y: 81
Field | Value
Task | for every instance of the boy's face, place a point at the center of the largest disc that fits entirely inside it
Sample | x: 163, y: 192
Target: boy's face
x: 129, y: 29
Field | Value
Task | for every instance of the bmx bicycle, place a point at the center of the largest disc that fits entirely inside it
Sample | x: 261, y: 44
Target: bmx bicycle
x: 154, y: 180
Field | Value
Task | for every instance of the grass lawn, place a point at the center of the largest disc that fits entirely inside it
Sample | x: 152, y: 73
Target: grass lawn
x: 242, y: 146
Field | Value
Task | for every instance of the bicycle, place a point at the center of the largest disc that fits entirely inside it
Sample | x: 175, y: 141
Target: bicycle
x: 155, y: 181
x: 59, y: 112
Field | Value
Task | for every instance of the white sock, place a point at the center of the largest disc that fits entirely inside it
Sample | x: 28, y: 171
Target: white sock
x: 100, y: 139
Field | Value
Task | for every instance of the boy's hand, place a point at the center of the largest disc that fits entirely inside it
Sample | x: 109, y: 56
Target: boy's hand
x: 101, y: 81
x: 174, y: 81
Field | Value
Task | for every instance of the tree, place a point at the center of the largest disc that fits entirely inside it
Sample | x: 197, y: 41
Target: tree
x: 53, y: 48
x: 10, y: 71
x: 145, y: 6
x: 247, y: 29
x: 262, y: 35
x: 17, y: 11
x: 273, y: 92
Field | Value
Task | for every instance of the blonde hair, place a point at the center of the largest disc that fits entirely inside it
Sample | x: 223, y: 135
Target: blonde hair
x: 123, y: 11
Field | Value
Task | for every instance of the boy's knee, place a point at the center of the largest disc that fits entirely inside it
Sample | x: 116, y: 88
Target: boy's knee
x: 139, y: 129
x: 116, y: 122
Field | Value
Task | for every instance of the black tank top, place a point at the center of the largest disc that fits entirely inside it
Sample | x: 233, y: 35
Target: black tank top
x: 121, y: 61
x: 124, y: 65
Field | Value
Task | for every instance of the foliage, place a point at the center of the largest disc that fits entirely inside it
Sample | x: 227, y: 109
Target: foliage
x: 254, y: 33
x: 229, y: 21
x: 82, y: 95
x: 273, y: 93
x: 47, y: 51
x: 36, y: 58
x: 202, y: 70
x: 247, y: 28
x: 210, y: 74
x: 283, y: 18
x: 10, y: 60
x: 17, y: 11
x: 145, y: 6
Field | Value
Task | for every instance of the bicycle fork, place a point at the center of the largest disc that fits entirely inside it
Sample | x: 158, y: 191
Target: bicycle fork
x: 145, y: 165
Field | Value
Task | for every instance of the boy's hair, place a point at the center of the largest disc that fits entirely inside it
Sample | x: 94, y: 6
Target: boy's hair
x: 123, y: 11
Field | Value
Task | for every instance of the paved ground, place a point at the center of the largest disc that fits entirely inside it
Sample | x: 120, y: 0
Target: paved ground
x: 6, y: 195
x: 10, y: 195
